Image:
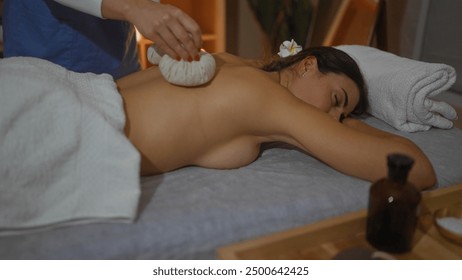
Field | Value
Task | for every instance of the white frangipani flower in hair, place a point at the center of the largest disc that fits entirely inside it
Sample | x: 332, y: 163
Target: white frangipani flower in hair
x: 289, y: 48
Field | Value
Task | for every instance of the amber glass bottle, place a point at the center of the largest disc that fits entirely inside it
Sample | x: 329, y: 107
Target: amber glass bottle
x: 393, y: 204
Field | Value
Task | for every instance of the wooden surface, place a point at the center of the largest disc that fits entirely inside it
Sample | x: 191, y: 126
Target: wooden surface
x: 325, y: 239
x: 353, y: 23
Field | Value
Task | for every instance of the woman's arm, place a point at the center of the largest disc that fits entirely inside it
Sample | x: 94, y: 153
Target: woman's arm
x: 353, y: 147
x: 423, y: 179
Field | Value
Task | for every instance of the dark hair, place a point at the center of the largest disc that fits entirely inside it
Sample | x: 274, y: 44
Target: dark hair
x: 329, y: 59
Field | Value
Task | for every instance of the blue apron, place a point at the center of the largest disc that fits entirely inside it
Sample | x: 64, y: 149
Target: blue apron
x: 72, y: 39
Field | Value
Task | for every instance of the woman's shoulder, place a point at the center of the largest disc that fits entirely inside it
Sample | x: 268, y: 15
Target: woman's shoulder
x: 243, y: 80
x: 227, y: 58
x: 250, y: 82
x: 231, y: 59
x: 246, y: 71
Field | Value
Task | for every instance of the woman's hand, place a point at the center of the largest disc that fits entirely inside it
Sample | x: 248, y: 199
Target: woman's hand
x: 176, y: 33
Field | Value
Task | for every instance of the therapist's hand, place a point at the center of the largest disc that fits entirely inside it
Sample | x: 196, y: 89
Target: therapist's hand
x: 176, y: 33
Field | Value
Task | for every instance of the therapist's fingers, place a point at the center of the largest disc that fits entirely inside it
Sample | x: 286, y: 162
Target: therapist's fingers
x: 166, y: 41
x: 179, y: 40
x: 193, y: 32
x: 186, y: 40
x: 176, y: 33
x: 182, y: 34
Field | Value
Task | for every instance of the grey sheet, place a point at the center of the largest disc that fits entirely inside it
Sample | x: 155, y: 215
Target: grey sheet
x: 188, y: 213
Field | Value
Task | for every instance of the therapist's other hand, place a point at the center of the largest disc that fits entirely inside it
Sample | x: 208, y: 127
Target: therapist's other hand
x: 175, y: 32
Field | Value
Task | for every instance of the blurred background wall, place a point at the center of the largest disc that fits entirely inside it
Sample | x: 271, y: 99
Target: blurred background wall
x: 428, y: 30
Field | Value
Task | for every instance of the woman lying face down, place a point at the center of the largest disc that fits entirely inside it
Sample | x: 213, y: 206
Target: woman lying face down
x: 304, y: 100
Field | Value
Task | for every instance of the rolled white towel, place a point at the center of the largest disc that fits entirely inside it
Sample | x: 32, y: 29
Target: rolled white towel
x: 401, y: 89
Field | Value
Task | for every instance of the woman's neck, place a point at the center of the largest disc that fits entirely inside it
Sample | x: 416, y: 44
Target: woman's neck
x: 285, y: 78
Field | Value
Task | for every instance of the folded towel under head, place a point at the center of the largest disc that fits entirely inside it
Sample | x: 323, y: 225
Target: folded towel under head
x: 401, y: 89
x: 64, y: 158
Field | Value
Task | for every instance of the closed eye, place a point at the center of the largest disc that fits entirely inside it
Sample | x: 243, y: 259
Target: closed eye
x: 345, y: 97
x: 337, y: 103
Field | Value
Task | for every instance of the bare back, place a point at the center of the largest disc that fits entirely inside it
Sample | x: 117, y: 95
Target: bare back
x: 218, y: 126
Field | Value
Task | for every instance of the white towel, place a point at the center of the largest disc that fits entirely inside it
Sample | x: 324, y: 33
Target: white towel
x: 63, y: 156
x: 401, y: 89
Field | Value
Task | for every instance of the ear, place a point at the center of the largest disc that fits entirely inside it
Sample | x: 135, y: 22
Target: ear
x: 309, y: 63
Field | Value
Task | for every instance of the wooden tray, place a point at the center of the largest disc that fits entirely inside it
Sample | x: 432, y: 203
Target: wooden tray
x: 325, y: 239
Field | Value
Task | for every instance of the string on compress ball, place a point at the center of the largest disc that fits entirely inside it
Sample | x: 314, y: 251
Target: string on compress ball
x: 183, y: 73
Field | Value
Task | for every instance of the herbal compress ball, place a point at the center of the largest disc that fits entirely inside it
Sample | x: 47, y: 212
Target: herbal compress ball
x: 184, y: 73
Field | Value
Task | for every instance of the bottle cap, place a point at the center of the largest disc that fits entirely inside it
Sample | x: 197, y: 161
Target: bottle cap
x: 399, y: 166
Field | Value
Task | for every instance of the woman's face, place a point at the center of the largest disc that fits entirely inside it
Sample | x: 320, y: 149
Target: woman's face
x: 335, y: 94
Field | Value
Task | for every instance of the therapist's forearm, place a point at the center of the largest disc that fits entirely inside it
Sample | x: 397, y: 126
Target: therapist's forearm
x: 116, y: 9
x: 111, y: 9
x: 120, y: 9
